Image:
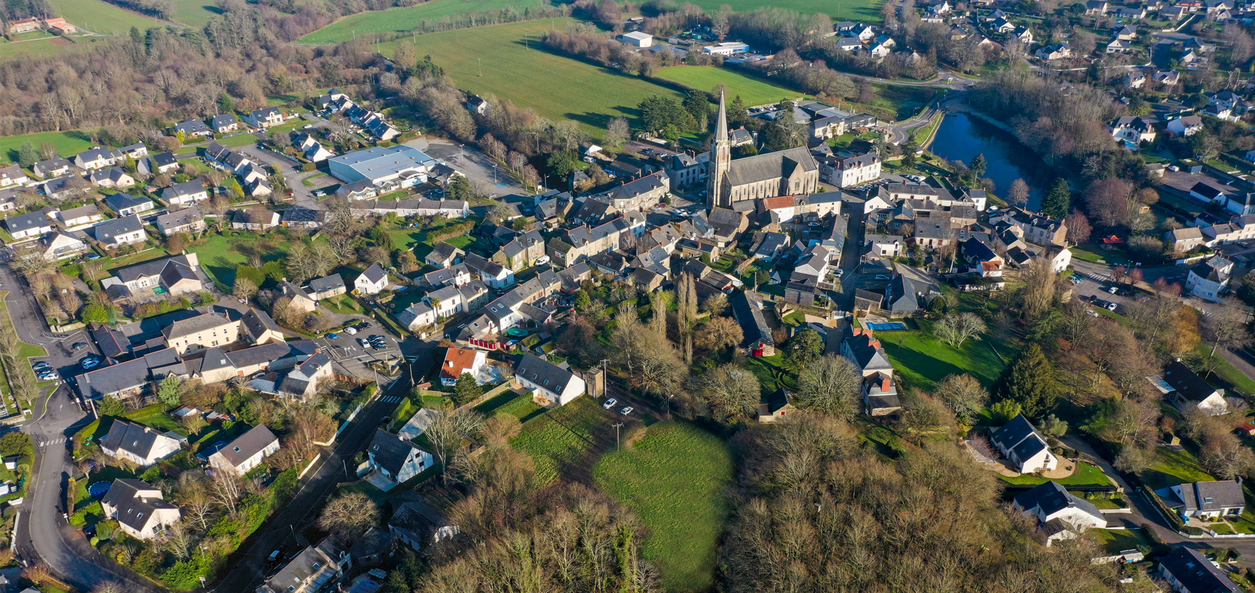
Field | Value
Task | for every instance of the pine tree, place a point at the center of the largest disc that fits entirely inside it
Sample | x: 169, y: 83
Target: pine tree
x: 977, y: 167
x: 1058, y: 201
x: 1030, y: 382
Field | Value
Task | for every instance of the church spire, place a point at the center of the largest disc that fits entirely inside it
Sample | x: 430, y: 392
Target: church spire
x: 720, y: 160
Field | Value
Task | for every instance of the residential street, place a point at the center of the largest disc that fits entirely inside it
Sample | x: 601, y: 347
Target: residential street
x: 249, y: 562
x: 303, y: 195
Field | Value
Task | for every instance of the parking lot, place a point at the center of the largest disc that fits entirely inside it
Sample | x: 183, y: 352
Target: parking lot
x: 352, y: 357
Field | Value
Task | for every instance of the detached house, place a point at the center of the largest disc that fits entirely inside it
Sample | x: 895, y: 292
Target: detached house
x: 24, y: 226
x: 550, y: 384
x: 1185, y: 126
x: 397, y: 459
x: 188, y: 192
x: 1024, y: 446
x: 1207, y: 500
x: 1133, y: 130
x: 193, y: 128
x: 139, y: 508
x: 137, y: 443
x: 264, y: 118
x: 12, y: 176
x: 416, y: 524
x: 208, y: 330
x: 315, y: 570
x: 372, y: 281
x: 187, y: 220
x: 1061, y: 515
x: 1188, y: 571
x: 1185, y: 390
x: 121, y: 231
x: 246, y: 452
x: 224, y: 123
x: 96, y: 158
x: 126, y: 204
x: 325, y: 288
x: 113, y: 178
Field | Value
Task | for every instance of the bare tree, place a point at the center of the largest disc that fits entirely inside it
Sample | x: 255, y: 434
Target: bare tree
x: 731, y: 392
x: 349, y: 515
x: 719, y: 333
x: 1039, y: 288
x: 958, y: 328
x: 964, y: 395
x: 227, y: 488
x: 1226, y: 327
x: 450, y: 431
x: 1018, y: 194
x: 1225, y: 457
x: 830, y: 384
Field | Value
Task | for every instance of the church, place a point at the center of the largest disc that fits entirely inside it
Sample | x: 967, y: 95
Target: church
x: 788, y: 172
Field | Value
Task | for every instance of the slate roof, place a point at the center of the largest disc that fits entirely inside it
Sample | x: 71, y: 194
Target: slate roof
x: 120, y: 202
x: 187, y: 327
x: 747, y: 310
x: 1011, y: 433
x: 1051, y: 498
x: 133, y: 511
x: 1186, y: 382
x: 390, y: 451
x: 223, y: 120
x: 770, y: 165
x: 544, y: 373
x: 375, y: 274
x: 329, y: 283
x: 113, y: 379
x: 186, y: 188
x: 23, y: 222
x: 1213, y: 496
x: 248, y: 444
x: 1196, y: 573
x: 179, y: 218
x: 192, y: 126
x: 107, y: 231
x: 135, y: 439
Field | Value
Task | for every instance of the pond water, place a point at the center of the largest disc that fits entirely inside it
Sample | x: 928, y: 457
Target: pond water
x: 962, y: 137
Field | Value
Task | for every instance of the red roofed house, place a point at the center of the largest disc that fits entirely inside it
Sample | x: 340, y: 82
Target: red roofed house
x: 461, y: 360
x: 59, y: 26
x: 1111, y: 242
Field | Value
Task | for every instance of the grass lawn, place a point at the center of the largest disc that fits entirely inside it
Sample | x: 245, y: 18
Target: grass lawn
x: 156, y: 417
x: 195, y: 12
x: 770, y: 371
x: 1106, y: 503
x: 220, y: 255
x: 130, y: 260
x: 1115, y: 541
x: 519, y: 405
x: 1173, y: 467
x: 562, y: 437
x: 923, y: 360
x: 404, y: 20
x: 68, y: 143
x: 1225, y: 370
x: 344, y: 305
x: 100, y: 17
x: 238, y: 140
x: 589, y: 94
x: 1245, y: 523
x: 753, y: 91
x: 49, y: 46
x: 673, y: 479
x: 1085, y: 475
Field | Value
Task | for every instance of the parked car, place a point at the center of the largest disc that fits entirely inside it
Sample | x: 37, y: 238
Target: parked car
x: 78, y: 346
x: 363, y: 342
x: 610, y: 403
x: 43, y: 364
x: 627, y: 411
x: 361, y: 326
x: 332, y: 336
x: 1112, y: 307
x: 350, y: 330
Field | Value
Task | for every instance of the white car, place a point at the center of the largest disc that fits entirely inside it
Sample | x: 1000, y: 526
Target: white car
x: 610, y: 403
x: 542, y: 260
x: 627, y: 411
x: 1112, y: 307
x: 350, y: 330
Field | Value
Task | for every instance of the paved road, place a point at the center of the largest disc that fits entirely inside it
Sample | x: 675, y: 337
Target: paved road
x: 469, y: 161
x: 249, y: 565
x: 291, y: 174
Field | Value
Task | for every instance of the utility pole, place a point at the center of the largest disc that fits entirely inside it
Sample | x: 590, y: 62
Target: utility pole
x: 617, y: 426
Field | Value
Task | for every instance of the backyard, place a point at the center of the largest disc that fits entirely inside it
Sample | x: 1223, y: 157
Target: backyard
x: 673, y: 479
x: 221, y: 254
x: 923, y: 360
x: 496, y: 60
x: 1172, y: 467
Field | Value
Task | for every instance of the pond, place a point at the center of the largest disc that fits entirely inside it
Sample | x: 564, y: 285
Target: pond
x: 961, y: 137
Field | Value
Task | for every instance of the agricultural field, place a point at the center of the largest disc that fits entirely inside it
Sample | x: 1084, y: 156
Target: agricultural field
x: 849, y: 10
x: 673, y: 479
x: 68, y: 143
x: 195, y: 13
x: 220, y: 255
x: 99, y: 17
x: 753, y: 91
x: 404, y: 20
x: 46, y: 46
x: 528, y: 76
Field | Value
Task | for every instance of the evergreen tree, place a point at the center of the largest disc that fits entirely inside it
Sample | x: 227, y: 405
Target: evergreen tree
x: 738, y: 115
x: 1058, y: 201
x: 1030, y: 382
x: 977, y: 166
x: 803, y: 348
x: 225, y: 103
x: 28, y: 155
x: 466, y: 389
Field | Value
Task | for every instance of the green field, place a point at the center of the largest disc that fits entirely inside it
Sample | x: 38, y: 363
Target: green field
x: 848, y: 10
x: 561, y: 439
x: 753, y: 91
x: 46, y: 46
x: 673, y: 479
x: 195, y: 12
x: 404, y: 20
x: 555, y: 86
x: 220, y: 255
x: 99, y: 17
x: 923, y: 360
x: 68, y: 143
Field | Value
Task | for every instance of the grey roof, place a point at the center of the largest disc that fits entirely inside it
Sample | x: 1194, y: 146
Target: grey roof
x: 298, y: 573
x: 1213, y: 496
x: 113, y: 379
x: 390, y: 451
x: 112, y: 342
x: 248, y: 444
x: 1011, y: 433
x: 151, y: 268
x: 194, y: 325
x: 866, y: 351
x: 416, y: 520
x: 192, y: 126
x: 747, y: 308
x: 80, y: 212
x: 133, y: 511
x: 770, y: 165
x: 327, y: 284
x: 120, y: 202
x: 1051, y: 498
x: 258, y: 322
x: 179, y: 218
x: 1195, y: 573
x: 1186, y: 382
x: 175, y: 272
x: 135, y: 439
x: 374, y: 163
x: 901, y: 296
x: 247, y: 357
x: 375, y: 273
x: 219, y: 121
x: 543, y: 373
x: 186, y: 188
x: 107, y: 231
x: 23, y: 222
x: 640, y: 186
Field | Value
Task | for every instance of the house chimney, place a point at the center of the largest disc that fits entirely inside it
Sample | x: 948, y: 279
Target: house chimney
x: 886, y: 383
x: 874, y: 344
x: 857, y: 331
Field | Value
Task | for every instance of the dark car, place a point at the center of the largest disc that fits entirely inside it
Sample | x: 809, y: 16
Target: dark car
x: 385, y: 420
x: 78, y: 346
x: 361, y: 326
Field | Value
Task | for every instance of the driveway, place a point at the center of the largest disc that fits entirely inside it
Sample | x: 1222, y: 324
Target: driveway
x: 295, y: 177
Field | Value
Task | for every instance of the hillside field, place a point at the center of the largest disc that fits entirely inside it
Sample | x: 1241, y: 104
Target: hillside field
x: 100, y: 17
x: 845, y: 10
x: 753, y: 91
x: 403, y: 20
x: 557, y: 87
x: 68, y: 143
x: 195, y: 13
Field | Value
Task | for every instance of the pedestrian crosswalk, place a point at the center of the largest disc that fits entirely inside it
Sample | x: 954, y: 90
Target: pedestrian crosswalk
x: 392, y: 399
x: 51, y: 442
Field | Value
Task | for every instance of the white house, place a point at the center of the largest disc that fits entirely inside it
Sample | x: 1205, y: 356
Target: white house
x: 1134, y: 130
x: 188, y: 192
x: 397, y: 459
x: 139, y: 508
x: 549, y: 383
x: 1209, y: 279
x: 1061, y: 514
x: 1185, y: 390
x: 137, y: 443
x: 121, y: 231
x: 372, y: 281
x: 1024, y: 446
x: 461, y: 360
x: 246, y: 452
x: 1208, y: 500
x: 1185, y: 126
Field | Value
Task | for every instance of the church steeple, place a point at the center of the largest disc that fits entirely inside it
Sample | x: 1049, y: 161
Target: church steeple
x: 720, y: 158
